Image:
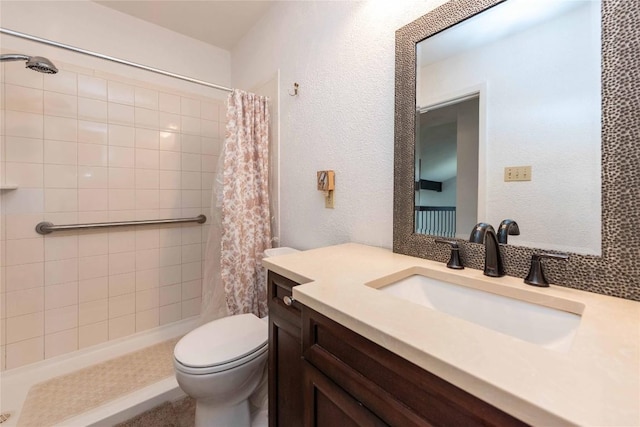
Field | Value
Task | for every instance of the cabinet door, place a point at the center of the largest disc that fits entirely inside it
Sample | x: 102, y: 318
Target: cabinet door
x: 285, y: 356
x: 327, y: 405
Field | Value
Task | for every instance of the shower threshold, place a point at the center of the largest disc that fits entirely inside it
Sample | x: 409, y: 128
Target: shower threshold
x: 28, y: 391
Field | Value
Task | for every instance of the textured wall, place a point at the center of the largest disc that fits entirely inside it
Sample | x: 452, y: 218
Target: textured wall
x: 342, y: 55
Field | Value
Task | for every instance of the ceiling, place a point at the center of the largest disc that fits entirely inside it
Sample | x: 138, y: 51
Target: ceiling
x: 220, y: 23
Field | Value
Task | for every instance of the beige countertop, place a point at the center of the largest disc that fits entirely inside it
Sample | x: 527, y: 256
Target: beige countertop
x: 595, y: 383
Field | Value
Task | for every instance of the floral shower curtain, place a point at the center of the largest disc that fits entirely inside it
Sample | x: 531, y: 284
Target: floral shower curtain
x: 240, y: 231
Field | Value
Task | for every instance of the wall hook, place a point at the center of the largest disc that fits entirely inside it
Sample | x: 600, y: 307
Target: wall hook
x: 295, y: 90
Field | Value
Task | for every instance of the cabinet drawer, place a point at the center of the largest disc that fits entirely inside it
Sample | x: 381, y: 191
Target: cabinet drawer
x: 279, y: 288
x: 396, y: 390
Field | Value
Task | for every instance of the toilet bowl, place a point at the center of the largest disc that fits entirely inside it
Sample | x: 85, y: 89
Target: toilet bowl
x: 221, y: 363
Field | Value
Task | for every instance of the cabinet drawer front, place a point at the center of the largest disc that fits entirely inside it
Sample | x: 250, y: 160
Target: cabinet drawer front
x: 279, y: 288
x: 398, y: 391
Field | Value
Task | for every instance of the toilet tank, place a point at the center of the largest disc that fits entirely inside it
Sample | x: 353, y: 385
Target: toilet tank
x: 279, y: 251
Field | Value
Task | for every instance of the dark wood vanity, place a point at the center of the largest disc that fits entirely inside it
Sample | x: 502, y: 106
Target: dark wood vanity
x: 323, y: 374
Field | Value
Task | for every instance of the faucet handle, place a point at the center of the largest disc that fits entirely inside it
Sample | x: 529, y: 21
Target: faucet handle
x: 535, y: 277
x: 454, y: 260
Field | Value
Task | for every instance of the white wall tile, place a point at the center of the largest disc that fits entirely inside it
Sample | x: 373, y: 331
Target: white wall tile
x: 93, y: 243
x: 122, y: 178
x: 191, y: 271
x: 93, y: 334
x: 122, y: 326
x: 209, y: 163
x: 92, y: 87
x: 169, y: 103
x: 211, y: 146
x: 147, y: 238
x: 147, y: 138
x: 60, y: 128
x: 61, y: 105
x: 24, y: 251
x: 27, y: 351
x: 122, y: 305
x: 122, y: 136
x: 121, y: 114
x: 169, y: 122
x: 122, y: 240
x: 24, y: 150
x: 191, y: 234
x: 191, y: 162
x: 170, y: 313
x: 93, y: 199
x: 147, y: 179
x: 24, y: 175
x: 64, y: 82
x: 191, y: 253
x: 25, y: 276
x: 20, y: 98
x: 147, y: 199
x: 170, y: 236
x: 146, y: 98
x: 27, y: 125
x: 190, y: 125
x: 93, y: 289
x: 60, y: 319
x: 61, y: 342
x: 93, y: 312
x: 189, y: 107
x: 210, y: 129
x: 170, y: 294
x: 63, y: 295
x: 25, y: 301
x: 93, y: 110
x: 25, y: 201
x: 60, y: 152
x: 145, y: 118
x: 147, y: 279
x: 191, y: 143
x: 121, y: 284
x: 93, y: 177
x: 121, y: 93
x: 122, y: 262
x: 209, y: 111
x: 121, y: 157
x: 170, y: 199
x: 191, y: 198
x: 121, y: 199
x: 191, y: 307
x: 169, y: 141
x: 191, y: 289
x: 14, y: 73
x: 146, y: 299
x: 147, y: 259
x: 93, y: 266
x: 92, y: 132
x: 60, y: 247
x: 170, y: 160
x: 24, y: 327
x: 60, y: 200
x: 147, y: 319
x: 93, y: 155
x: 147, y: 159
x: 60, y: 176
x: 62, y: 271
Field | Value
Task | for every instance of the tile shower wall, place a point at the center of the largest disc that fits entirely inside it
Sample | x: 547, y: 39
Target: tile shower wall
x: 82, y: 146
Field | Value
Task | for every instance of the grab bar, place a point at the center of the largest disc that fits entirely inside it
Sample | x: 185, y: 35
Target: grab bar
x: 47, y: 227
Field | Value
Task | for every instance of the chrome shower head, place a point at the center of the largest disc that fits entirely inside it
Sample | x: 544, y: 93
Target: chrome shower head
x: 37, y: 63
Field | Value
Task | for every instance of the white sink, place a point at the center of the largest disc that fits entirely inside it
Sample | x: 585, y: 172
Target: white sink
x: 548, y: 326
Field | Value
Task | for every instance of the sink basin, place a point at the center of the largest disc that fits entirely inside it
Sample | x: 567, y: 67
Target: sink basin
x: 551, y: 323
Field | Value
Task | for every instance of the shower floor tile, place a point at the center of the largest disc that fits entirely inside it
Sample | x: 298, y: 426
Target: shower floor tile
x: 66, y: 396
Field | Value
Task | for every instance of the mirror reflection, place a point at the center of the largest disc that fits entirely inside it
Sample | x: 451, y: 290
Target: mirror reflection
x: 516, y: 86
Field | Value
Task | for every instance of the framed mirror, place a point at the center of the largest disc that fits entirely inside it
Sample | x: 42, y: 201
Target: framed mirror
x: 606, y: 269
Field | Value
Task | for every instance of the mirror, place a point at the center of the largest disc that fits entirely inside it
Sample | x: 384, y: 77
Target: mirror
x: 616, y: 271
x: 517, y: 85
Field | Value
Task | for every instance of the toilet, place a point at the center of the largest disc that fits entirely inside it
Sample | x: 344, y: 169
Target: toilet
x: 221, y: 363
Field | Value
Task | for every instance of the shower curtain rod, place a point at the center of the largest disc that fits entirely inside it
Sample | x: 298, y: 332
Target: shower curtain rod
x: 111, y: 58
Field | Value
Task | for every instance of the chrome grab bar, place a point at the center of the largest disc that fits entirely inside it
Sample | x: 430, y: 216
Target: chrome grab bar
x: 47, y: 227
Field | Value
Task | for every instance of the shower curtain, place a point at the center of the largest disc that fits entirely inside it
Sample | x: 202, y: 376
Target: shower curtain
x: 240, y: 229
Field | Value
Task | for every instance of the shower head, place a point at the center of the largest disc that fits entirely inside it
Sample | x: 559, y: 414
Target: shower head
x: 37, y: 63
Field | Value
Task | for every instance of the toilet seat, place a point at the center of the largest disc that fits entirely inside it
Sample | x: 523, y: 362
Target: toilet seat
x: 221, y: 345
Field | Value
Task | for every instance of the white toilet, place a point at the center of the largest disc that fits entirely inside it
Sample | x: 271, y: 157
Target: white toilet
x: 221, y: 363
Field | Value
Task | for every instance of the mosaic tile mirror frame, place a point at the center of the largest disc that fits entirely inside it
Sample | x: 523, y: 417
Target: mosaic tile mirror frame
x: 617, y: 271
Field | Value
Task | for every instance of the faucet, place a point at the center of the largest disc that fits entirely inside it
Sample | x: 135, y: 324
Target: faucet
x: 508, y: 227
x: 485, y: 233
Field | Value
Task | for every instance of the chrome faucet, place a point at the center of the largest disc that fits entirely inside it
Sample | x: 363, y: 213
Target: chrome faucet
x: 485, y: 234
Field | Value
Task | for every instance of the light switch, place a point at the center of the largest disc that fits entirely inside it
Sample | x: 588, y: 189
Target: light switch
x: 517, y: 173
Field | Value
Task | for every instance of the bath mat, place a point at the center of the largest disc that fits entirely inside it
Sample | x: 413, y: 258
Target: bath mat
x: 66, y: 396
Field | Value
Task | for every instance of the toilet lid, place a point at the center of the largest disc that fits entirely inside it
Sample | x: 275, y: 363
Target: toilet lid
x: 222, y: 341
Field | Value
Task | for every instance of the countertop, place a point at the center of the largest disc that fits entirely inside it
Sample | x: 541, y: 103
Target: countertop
x: 595, y: 383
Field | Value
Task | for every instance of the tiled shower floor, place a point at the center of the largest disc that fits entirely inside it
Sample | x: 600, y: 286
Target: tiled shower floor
x: 60, y: 398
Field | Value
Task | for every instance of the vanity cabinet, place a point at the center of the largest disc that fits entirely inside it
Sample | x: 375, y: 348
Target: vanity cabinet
x: 323, y: 374
x: 285, y: 354
x: 349, y: 380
